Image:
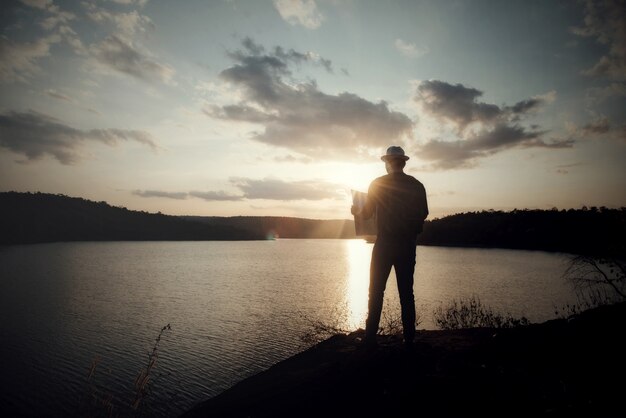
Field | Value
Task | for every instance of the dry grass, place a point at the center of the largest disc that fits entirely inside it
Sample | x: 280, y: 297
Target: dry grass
x: 99, y: 400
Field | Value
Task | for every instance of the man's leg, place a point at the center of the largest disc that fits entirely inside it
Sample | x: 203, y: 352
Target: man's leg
x: 405, y: 268
x: 380, y: 267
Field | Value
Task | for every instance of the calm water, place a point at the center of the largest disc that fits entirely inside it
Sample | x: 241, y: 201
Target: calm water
x: 235, y: 308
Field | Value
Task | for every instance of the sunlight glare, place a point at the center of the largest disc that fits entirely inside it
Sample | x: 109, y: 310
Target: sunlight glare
x: 359, y: 255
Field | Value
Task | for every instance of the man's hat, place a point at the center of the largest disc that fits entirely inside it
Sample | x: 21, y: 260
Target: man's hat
x: 394, y: 152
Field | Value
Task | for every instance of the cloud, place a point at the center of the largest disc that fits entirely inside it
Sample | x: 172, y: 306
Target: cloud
x: 157, y: 193
x: 274, y: 189
x: 299, y: 12
x: 121, y: 50
x: 409, y: 49
x: 455, y: 103
x: 266, y: 189
x: 55, y: 94
x: 300, y: 117
x: 605, y: 21
x: 291, y: 159
x: 599, y: 94
x: 139, y: 3
x: 220, y: 196
x: 600, y: 125
x: 120, y: 55
x: 600, y: 128
x: 126, y: 24
x: 483, y: 129
x: 18, y: 61
x: 34, y: 135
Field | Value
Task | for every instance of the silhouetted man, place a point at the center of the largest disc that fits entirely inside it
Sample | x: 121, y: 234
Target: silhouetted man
x: 399, y: 203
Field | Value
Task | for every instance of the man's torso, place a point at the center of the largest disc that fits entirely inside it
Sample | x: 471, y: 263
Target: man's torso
x: 401, y: 207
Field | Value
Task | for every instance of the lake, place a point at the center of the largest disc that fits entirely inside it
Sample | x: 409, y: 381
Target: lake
x: 235, y: 308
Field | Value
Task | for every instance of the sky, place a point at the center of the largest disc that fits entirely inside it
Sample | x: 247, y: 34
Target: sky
x: 280, y: 108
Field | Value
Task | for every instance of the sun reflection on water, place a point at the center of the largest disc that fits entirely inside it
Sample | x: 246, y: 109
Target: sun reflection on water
x: 359, y: 255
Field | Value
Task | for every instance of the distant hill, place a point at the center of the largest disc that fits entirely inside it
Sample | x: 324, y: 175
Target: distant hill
x: 27, y: 218
x: 41, y: 217
x: 284, y: 227
x: 578, y: 231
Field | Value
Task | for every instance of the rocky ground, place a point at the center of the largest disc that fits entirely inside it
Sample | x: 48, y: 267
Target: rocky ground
x: 564, y: 367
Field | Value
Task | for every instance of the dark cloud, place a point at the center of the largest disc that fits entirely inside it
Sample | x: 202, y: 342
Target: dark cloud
x: 483, y: 128
x: 216, y: 196
x: 300, y: 117
x: 605, y: 21
x: 602, y: 127
x: 458, y: 105
x: 465, y: 153
x: 119, y: 54
x: 455, y: 103
x: 157, y: 193
x: 35, y: 135
x: 526, y: 106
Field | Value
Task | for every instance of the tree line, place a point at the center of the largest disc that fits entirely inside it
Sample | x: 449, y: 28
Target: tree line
x: 27, y: 218
x: 41, y: 217
x: 592, y: 231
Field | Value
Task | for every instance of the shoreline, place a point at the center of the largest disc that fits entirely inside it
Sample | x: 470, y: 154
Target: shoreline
x: 561, y: 367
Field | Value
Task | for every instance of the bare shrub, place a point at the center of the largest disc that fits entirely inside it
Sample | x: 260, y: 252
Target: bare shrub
x: 470, y: 313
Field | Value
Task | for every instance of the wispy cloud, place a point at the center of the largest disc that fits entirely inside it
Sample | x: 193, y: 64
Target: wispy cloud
x: 409, y: 49
x: 300, y: 117
x: 598, y: 95
x: 158, y: 193
x: 122, y: 56
x: 600, y: 125
x: 220, y: 196
x: 60, y: 96
x: 19, y: 60
x: 605, y: 21
x: 565, y: 168
x: 139, y: 3
x: 483, y: 128
x: 291, y: 159
x: 263, y: 189
x: 126, y: 24
x: 275, y: 189
x: 35, y: 135
x: 300, y: 12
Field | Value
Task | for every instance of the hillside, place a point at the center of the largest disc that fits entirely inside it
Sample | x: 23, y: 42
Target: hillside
x: 41, y: 217
x: 27, y: 218
x: 578, y: 231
